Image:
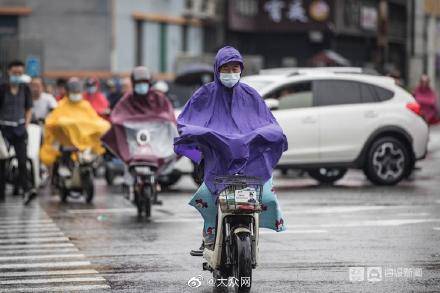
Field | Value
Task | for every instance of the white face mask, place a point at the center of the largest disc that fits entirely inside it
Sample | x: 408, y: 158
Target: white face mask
x: 75, y: 97
x: 229, y: 79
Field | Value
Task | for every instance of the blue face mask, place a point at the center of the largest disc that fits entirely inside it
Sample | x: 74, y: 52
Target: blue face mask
x: 15, y: 79
x: 92, y: 89
x: 141, y: 88
x: 229, y: 79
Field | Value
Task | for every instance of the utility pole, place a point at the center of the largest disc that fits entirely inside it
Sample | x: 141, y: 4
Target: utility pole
x: 382, y: 34
x: 432, y: 9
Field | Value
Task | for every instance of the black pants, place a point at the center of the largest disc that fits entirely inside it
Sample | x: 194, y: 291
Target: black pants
x: 16, y: 137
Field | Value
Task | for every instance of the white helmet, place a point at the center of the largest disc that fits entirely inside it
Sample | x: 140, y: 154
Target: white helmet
x: 161, y: 86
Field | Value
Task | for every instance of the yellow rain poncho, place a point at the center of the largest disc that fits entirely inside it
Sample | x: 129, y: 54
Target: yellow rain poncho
x: 72, y: 124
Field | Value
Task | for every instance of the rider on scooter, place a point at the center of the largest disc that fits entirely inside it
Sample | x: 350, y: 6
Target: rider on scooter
x: 73, y: 123
x: 227, y: 124
x: 141, y: 104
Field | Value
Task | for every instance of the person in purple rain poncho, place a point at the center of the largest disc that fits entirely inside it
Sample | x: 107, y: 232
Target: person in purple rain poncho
x: 227, y: 126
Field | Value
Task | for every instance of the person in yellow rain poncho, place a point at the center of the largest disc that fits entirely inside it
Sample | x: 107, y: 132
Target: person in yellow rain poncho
x: 74, y: 123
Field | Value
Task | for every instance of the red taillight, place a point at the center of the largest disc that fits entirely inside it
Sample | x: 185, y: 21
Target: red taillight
x: 414, y: 107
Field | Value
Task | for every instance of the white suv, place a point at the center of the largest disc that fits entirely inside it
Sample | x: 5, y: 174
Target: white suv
x: 339, y: 118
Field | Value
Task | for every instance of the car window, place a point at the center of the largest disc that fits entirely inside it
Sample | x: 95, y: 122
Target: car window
x: 368, y: 93
x: 337, y: 92
x: 383, y: 94
x: 292, y: 96
x: 372, y: 93
x: 257, y: 84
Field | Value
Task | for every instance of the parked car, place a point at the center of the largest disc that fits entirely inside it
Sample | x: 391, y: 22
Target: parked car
x: 340, y: 118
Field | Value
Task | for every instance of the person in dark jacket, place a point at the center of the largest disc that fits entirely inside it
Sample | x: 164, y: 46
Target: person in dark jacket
x: 15, y: 115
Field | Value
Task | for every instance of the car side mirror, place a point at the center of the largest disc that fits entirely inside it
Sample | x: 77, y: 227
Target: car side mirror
x: 272, y: 104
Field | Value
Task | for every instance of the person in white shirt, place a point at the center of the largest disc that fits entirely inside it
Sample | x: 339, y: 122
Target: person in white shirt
x: 43, y: 102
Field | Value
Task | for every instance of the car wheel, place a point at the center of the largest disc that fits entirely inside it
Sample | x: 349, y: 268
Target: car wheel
x: 167, y: 180
x: 388, y: 161
x: 327, y: 175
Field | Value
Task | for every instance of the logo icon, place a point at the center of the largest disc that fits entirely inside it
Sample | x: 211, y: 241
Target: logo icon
x: 195, y: 282
x: 374, y: 274
x: 356, y: 274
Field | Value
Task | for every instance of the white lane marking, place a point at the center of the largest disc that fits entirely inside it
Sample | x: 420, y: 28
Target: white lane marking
x: 60, y: 289
x: 29, y: 251
x: 335, y: 209
x: 388, y: 222
x: 413, y: 214
x: 26, y: 222
x: 42, y: 245
x: 48, y: 273
x: 29, y: 240
x: 436, y: 228
x: 293, y: 232
x: 42, y: 234
x: 50, y: 256
x: 178, y: 220
x: 53, y: 280
x: 103, y: 211
x: 45, y: 265
x: 30, y: 230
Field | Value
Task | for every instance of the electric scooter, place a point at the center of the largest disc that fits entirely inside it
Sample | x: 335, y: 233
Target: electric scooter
x: 235, y: 251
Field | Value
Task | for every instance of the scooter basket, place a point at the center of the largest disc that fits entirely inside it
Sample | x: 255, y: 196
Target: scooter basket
x: 239, y: 194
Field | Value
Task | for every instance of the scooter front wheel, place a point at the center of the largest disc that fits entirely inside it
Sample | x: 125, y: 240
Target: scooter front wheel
x: 148, y: 200
x: 242, y: 267
x: 89, y: 187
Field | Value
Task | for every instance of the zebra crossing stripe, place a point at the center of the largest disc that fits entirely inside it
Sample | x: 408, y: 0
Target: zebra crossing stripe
x: 30, y: 230
x: 60, y: 289
x: 34, y: 257
x: 31, y: 240
x: 28, y: 251
x: 44, y: 265
x: 17, y: 222
x: 43, y: 245
x: 54, y: 280
x: 33, y: 234
x: 48, y: 273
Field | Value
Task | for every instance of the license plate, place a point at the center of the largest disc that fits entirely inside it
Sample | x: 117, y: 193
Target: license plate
x: 248, y: 195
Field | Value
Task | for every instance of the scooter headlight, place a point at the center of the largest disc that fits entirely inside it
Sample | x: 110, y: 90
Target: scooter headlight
x: 86, y: 157
x: 143, y: 170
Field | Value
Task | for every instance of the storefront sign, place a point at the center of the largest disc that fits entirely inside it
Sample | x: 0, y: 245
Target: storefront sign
x: 279, y: 15
x: 368, y: 18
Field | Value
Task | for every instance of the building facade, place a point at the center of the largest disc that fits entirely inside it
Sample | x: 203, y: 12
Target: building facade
x: 100, y: 37
x: 368, y: 33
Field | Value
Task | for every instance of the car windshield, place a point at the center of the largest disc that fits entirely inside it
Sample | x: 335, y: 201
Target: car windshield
x: 257, y: 84
x: 180, y: 94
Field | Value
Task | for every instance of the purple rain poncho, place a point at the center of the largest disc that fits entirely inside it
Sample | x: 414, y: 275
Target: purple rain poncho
x: 232, y: 128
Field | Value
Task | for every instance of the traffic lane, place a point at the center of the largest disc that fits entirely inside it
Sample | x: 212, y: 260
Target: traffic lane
x: 133, y: 254
x: 351, y: 224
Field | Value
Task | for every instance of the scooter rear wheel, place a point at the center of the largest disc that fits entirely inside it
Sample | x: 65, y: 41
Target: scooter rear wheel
x: 242, y: 267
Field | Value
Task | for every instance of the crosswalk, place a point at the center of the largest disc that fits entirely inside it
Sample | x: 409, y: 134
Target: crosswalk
x: 36, y: 256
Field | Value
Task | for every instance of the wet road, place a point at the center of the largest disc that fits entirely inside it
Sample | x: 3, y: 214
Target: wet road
x: 388, y: 236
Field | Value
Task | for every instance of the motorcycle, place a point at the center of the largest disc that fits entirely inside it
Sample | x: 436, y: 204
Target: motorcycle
x: 235, y: 250
x: 73, y: 174
x: 147, y: 151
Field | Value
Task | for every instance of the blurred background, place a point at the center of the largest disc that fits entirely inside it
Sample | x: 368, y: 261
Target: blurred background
x: 109, y: 37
